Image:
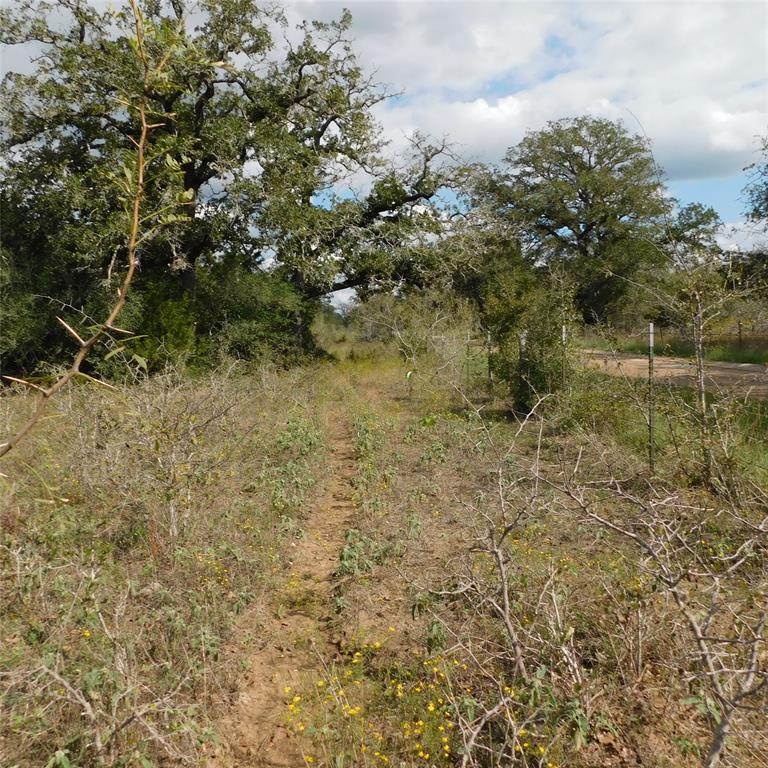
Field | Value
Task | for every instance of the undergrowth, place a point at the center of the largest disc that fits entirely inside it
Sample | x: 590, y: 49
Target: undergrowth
x: 610, y: 674
x: 135, y: 528
x: 480, y: 615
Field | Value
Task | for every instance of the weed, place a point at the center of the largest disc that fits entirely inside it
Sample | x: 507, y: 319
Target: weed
x: 300, y: 436
x: 369, y: 435
x: 413, y: 525
x: 360, y: 554
x: 434, y: 454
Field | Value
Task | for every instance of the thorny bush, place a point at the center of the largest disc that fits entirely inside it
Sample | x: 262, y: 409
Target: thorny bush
x: 134, y: 530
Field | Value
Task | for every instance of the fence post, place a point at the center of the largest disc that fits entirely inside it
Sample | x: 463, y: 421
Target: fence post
x: 651, y: 446
x: 490, y: 369
x: 467, y: 363
x: 564, y: 341
x: 740, y: 339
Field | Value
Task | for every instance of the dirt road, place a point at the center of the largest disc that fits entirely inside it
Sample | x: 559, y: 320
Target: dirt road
x: 295, y: 638
x: 741, y: 378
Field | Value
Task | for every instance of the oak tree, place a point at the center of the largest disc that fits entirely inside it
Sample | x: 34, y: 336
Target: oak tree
x: 266, y: 125
x: 584, y: 194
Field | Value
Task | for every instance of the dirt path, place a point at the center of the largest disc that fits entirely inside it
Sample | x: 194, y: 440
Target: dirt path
x: 296, y: 635
x: 741, y: 378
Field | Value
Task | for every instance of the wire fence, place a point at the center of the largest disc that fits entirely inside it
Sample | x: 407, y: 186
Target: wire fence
x: 729, y: 344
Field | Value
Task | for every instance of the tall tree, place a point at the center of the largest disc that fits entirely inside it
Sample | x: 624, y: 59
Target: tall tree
x: 584, y: 194
x: 265, y: 133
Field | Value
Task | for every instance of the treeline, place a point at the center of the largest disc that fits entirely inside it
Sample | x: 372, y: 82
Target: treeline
x: 251, y: 221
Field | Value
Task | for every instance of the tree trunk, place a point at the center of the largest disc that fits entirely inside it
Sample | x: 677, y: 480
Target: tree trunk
x: 718, y: 742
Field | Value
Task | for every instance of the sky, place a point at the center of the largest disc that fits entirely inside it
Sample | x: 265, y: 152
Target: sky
x: 692, y: 76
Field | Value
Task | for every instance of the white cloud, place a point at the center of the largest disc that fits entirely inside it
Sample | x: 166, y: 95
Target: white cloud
x: 693, y: 75
x: 742, y: 236
x: 423, y: 45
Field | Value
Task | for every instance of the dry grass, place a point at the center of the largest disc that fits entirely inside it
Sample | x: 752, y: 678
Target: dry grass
x: 135, y: 527
x: 483, y: 613
x: 609, y: 674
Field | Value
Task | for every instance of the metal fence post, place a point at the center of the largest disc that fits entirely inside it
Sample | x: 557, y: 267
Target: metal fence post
x: 651, y: 446
x: 467, y: 363
x: 490, y: 369
x: 564, y: 342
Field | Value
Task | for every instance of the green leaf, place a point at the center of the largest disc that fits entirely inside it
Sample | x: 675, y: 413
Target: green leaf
x: 713, y: 709
x: 59, y: 759
x: 115, y: 351
x: 140, y: 361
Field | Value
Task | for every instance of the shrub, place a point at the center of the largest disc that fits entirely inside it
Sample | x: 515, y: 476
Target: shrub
x: 533, y: 358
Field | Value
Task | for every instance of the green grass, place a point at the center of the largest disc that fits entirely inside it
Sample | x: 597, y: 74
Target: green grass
x: 736, y: 355
x: 598, y: 404
x: 723, y: 353
x: 750, y: 351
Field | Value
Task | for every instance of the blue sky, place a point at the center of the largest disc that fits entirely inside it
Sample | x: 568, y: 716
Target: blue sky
x: 722, y: 193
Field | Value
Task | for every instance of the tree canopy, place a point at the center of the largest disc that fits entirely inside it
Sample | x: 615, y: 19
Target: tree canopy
x: 271, y: 188
x: 583, y: 195
x: 264, y: 125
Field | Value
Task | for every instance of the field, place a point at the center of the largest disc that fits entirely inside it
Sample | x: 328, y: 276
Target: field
x: 342, y: 565
x: 328, y: 432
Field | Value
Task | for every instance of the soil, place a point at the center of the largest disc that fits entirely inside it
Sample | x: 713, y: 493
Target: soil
x: 298, y: 631
x: 745, y: 379
x: 293, y: 629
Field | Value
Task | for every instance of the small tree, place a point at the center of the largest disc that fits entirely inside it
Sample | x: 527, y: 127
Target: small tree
x: 534, y: 337
x: 756, y: 192
x: 431, y: 329
x: 699, y: 286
